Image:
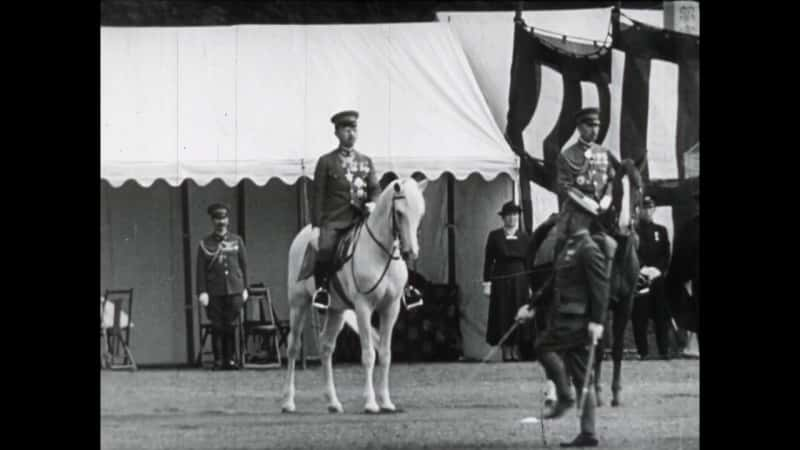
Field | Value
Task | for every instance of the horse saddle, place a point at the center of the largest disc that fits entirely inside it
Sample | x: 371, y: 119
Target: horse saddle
x: 342, y: 254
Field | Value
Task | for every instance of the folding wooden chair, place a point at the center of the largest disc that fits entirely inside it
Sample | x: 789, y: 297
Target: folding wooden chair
x: 117, y: 333
x: 260, y: 326
x: 205, y: 332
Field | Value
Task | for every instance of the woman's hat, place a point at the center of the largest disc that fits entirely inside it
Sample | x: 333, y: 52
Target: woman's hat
x: 510, y: 208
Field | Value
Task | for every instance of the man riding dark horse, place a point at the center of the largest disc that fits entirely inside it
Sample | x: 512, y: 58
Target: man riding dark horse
x: 345, y: 190
x: 590, y: 169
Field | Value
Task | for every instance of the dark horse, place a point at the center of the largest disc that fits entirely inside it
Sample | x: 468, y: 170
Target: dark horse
x: 624, y: 273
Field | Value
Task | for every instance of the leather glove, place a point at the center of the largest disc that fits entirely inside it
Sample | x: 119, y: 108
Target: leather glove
x: 605, y: 202
x: 487, y: 288
x: 245, y: 295
x: 525, y: 313
x: 595, y: 332
x: 370, y: 206
x: 203, y: 298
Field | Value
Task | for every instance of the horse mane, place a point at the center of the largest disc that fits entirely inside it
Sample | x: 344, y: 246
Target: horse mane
x: 384, y: 201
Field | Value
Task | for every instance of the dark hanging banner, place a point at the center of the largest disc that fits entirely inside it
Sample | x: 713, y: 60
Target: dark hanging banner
x: 643, y: 43
x: 576, y: 62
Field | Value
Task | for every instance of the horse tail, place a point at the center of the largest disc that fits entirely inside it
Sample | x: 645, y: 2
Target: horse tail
x: 297, y: 252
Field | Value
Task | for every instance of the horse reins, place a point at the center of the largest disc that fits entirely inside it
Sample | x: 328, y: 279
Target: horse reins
x: 392, y: 257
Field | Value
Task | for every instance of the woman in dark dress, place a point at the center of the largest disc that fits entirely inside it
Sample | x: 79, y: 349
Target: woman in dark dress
x: 505, y: 279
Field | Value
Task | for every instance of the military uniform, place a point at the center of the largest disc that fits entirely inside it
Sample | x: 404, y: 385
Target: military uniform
x: 581, y: 288
x: 654, y: 252
x: 342, y: 186
x: 222, y: 274
x: 589, y: 169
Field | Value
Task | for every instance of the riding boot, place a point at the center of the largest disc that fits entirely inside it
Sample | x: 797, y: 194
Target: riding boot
x: 216, y: 347
x: 554, y: 368
x: 229, y: 349
x: 321, y: 298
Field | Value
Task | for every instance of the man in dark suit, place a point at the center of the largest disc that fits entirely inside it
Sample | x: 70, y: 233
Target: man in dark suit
x: 581, y: 287
x: 222, y: 284
x: 345, y: 190
x: 683, y: 280
x: 651, y: 302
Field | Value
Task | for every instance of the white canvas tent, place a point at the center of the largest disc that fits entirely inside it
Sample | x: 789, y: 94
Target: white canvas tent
x: 251, y: 104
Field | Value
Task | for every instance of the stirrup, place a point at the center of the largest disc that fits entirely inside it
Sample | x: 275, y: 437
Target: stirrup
x: 416, y: 294
x: 321, y: 293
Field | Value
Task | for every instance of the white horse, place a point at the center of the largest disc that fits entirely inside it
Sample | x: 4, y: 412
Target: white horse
x: 373, y: 280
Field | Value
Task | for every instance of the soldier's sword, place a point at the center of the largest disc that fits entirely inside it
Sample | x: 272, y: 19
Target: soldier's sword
x: 500, y: 343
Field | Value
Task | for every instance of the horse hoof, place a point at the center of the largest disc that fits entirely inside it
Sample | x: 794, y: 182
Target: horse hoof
x: 287, y: 408
x: 615, y: 403
x: 599, y: 401
x: 335, y: 409
x: 392, y: 410
x: 372, y: 409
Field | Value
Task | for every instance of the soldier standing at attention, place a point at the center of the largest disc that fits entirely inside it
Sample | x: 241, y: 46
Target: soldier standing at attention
x: 654, y: 255
x: 581, y: 288
x: 222, y: 284
x: 345, y: 191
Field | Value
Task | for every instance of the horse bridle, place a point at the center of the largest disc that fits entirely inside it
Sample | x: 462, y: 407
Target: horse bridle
x: 396, y: 237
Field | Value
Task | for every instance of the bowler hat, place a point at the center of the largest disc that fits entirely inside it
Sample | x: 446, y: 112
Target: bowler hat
x: 509, y: 208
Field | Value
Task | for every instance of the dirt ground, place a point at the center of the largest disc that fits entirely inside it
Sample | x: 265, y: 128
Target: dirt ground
x: 447, y: 405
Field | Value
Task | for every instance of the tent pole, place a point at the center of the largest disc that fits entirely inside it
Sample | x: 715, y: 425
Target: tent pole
x: 240, y: 208
x: 187, y: 272
x: 525, y: 196
x: 451, y: 231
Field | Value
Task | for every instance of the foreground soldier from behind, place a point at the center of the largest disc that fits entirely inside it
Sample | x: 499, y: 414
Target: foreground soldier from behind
x: 581, y: 286
x: 345, y: 190
x: 222, y: 284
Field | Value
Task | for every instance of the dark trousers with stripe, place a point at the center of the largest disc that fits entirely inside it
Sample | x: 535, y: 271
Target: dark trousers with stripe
x: 223, y: 312
x: 652, y: 305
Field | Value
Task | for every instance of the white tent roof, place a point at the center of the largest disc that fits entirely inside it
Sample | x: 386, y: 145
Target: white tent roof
x: 255, y: 102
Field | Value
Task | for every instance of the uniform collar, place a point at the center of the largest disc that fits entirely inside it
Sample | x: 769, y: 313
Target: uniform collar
x: 340, y: 152
x: 219, y: 237
x: 584, y: 143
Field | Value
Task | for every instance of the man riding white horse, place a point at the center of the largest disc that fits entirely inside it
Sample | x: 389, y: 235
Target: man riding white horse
x: 371, y: 282
x: 345, y: 188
